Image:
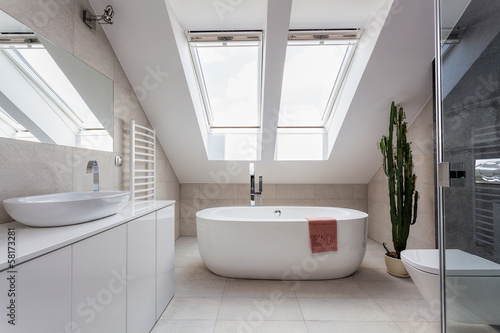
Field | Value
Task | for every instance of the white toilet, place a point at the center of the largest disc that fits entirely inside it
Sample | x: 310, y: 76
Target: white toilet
x: 472, y: 284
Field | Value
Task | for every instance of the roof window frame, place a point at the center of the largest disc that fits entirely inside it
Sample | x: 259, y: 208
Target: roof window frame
x: 225, y: 38
x: 318, y: 37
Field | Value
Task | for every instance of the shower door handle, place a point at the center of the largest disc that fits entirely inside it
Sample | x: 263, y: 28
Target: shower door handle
x: 451, y: 174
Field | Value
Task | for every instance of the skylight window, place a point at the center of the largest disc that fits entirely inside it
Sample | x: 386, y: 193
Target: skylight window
x: 315, y: 66
x: 228, y: 68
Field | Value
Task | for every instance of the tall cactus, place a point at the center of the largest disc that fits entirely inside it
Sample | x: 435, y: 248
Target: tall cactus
x: 398, y: 167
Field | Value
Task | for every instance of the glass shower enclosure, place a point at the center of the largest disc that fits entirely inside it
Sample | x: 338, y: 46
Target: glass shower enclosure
x: 468, y: 152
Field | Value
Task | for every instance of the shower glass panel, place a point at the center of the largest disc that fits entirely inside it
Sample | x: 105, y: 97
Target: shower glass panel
x: 470, y: 87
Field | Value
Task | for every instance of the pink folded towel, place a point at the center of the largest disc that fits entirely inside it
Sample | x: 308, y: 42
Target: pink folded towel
x: 323, y: 234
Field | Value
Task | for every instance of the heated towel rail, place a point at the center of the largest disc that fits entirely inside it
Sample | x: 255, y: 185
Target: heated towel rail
x: 142, y: 162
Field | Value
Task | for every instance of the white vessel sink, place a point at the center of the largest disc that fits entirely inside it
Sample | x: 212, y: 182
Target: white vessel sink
x: 54, y: 210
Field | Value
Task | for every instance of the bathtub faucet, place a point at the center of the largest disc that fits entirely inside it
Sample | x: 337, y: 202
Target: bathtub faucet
x: 252, y: 188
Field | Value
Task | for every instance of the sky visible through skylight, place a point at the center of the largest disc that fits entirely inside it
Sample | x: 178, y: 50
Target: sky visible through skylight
x: 231, y: 77
x: 308, y: 79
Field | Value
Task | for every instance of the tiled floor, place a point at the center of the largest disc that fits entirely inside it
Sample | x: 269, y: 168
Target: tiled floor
x: 368, y: 301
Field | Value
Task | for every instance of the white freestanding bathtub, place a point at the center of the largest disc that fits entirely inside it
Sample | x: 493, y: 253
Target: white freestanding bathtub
x: 273, y: 242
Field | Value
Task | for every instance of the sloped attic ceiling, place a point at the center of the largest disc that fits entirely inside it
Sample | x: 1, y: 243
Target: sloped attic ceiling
x: 398, y: 68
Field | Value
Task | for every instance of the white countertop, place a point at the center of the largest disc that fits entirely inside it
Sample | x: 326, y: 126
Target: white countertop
x: 33, y: 242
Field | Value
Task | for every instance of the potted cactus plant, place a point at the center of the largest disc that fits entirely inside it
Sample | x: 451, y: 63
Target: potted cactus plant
x: 403, y: 198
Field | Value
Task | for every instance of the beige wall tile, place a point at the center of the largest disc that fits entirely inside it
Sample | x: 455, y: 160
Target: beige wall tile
x: 189, y: 207
x: 217, y: 191
x: 83, y: 181
x: 190, y: 191
x: 334, y: 191
x: 91, y: 45
x: 188, y: 227
x: 50, y: 19
x: 294, y: 191
x: 361, y: 205
x: 268, y: 191
x: 294, y: 202
x: 218, y: 203
x: 360, y: 191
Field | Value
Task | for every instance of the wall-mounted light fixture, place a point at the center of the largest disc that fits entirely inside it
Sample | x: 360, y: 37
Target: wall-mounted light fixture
x: 90, y: 18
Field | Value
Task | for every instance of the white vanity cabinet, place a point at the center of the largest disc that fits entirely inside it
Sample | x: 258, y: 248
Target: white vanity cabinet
x: 99, y: 283
x: 165, y: 243
x: 42, y: 297
x: 114, y: 275
x: 141, y: 268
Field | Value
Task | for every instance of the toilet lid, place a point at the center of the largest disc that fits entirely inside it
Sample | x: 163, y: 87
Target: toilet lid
x: 424, y: 260
x: 458, y: 263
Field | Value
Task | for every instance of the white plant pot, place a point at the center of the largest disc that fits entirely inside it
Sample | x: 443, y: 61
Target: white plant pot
x: 395, y: 267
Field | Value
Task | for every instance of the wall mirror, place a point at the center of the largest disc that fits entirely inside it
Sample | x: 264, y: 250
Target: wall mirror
x: 47, y: 95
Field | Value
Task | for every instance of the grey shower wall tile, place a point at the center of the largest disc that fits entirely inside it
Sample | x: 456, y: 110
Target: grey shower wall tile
x: 51, y: 19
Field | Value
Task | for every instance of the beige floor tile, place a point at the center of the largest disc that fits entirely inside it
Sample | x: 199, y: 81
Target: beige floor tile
x: 186, y: 242
x: 391, y: 290
x: 260, y: 326
x: 422, y: 327
x: 184, y: 326
x: 373, y: 261
x: 258, y: 309
x: 376, y: 275
x: 190, y: 262
x: 410, y: 310
x: 257, y: 288
x: 201, y: 288
x: 352, y: 327
x: 180, y: 253
x: 329, y: 288
x: 195, y: 273
x: 342, y: 309
x: 193, y: 253
x: 192, y: 309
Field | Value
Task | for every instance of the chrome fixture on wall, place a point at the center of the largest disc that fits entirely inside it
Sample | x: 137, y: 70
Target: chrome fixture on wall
x: 93, y: 168
x: 90, y: 18
x: 252, y: 188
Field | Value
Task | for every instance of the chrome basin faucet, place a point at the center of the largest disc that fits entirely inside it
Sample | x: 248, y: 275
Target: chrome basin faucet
x: 93, y: 168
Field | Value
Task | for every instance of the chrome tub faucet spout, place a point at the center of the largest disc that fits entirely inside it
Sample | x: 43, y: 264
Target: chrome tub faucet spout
x: 93, y: 168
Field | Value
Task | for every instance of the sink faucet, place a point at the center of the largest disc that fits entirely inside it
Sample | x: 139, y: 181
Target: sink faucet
x: 252, y: 187
x: 93, y: 168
